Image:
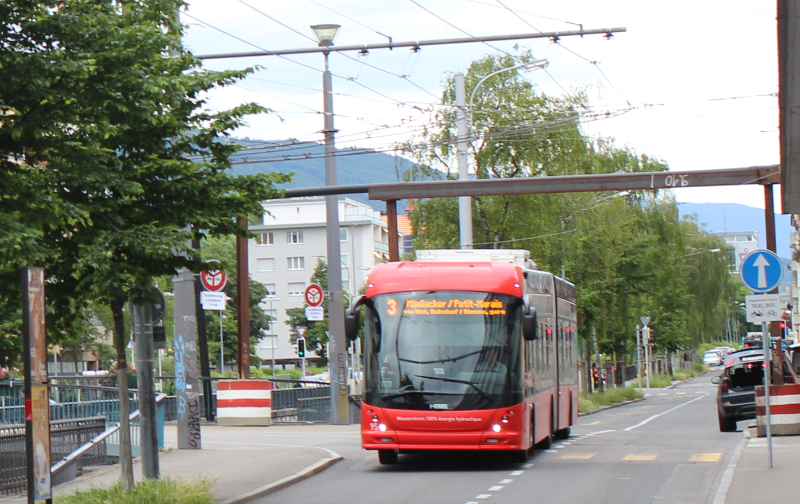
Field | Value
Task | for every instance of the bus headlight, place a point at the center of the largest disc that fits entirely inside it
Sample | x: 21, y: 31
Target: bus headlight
x: 496, y: 427
x: 382, y: 427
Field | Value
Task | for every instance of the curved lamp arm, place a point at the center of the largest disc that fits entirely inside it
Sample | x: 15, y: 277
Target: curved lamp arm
x: 527, y: 66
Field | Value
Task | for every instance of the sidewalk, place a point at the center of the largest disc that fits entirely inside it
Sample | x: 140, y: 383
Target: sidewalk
x: 753, y: 481
x: 243, y: 462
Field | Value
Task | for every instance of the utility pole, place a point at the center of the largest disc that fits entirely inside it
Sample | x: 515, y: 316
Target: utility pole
x: 185, y: 352
x: 145, y: 374
x: 202, y: 340
x: 340, y: 414
x: 464, y: 202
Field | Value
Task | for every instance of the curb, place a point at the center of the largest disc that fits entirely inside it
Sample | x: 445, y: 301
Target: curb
x: 307, y: 472
x: 617, y: 405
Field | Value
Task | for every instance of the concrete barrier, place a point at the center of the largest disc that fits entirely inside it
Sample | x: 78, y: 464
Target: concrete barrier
x: 244, y: 402
x: 784, y: 405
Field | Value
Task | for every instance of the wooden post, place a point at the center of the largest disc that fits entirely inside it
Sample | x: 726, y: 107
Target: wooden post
x: 391, y: 219
x: 769, y: 217
x: 243, y: 304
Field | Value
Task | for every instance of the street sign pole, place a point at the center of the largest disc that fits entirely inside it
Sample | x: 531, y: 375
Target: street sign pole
x: 639, y: 355
x: 646, y: 338
x: 767, y: 379
x: 761, y: 272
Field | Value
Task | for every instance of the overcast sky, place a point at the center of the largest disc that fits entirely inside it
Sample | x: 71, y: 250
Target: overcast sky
x: 698, y: 79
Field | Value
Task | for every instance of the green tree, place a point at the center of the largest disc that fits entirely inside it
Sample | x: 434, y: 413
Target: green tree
x: 628, y: 254
x: 109, y: 156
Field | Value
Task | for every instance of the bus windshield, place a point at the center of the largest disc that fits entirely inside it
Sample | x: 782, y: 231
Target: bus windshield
x: 443, y: 350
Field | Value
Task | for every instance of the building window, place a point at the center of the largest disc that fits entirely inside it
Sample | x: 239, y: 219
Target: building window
x: 268, y: 342
x: 294, y: 237
x: 266, y: 264
x: 297, y: 288
x: 273, y: 317
x: 346, y: 286
x: 295, y: 263
x: 265, y: 239
x: 345, y: 258
x: 272, y: 290
x: 408, y: 243
x: 344, y: 234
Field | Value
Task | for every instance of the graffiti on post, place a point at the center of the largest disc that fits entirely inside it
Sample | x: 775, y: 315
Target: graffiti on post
x: 186, y: 367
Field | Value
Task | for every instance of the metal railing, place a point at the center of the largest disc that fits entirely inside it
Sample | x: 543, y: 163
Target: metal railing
x: 66, y: 436
x: 292, y: 402
x: 13, y: 472
x: 67, y: 402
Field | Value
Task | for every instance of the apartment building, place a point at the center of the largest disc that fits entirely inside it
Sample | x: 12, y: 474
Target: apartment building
x: 291, y: 238
x: 741, y: 243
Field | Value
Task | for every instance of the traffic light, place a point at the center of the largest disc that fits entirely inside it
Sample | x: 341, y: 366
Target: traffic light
x: 301, y: 347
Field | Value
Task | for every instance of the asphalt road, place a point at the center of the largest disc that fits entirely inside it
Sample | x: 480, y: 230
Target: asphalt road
x: 665, y: 449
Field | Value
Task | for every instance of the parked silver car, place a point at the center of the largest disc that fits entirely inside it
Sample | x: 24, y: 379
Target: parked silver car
x: 712, y: 358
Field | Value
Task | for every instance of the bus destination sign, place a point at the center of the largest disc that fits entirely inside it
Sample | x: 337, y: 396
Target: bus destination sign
x: 449, y: 307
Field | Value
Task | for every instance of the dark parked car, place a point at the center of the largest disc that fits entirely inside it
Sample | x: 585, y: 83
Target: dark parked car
x: 736, y: 395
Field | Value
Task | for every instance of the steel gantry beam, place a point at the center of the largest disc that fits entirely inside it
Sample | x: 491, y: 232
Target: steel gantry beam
x: 390, y: 193
x: 575, y: 183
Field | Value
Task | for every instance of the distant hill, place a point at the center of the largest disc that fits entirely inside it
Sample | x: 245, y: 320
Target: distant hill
x: 371, y: 168
x: 732, y: 217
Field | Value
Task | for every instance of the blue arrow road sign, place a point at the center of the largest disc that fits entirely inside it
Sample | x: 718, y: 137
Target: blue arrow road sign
x: 761, y: 271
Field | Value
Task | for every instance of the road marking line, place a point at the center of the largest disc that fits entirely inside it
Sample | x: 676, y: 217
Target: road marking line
x: 727, y: 477
x: 624, y: 478
x: 706, y: 457
x: 699, y: 392
x: 680, y: 393
x: 506, y: 481
x: 662, y: 393
x: 593, y: 423
x: 551, y: 451
x: 471, y: 502
x: 495, y: 488
x: 558, y: 447
x: 650, y: 419
x: 516, y: 473
x: 483, y: 496
x: 527, y: 466
x: 641, y: 456
x: 578, y: 456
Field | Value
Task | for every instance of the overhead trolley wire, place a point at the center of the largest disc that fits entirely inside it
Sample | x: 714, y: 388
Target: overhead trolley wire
x: 592, y: 62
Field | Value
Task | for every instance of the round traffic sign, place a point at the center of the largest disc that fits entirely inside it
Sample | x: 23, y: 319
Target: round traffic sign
x: 214, y: 280
x: 761, y: 270
x: 314, y: 295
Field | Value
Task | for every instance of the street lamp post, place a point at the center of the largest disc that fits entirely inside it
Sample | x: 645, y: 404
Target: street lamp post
x: 464, y: 128
x: 221, y: 347
x: 272, y: 336
x: 326, y: 34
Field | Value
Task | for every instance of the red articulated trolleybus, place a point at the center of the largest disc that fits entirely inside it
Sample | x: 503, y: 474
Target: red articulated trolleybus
x: 466, y: 350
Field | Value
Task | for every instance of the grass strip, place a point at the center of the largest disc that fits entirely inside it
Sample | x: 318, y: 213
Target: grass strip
x: 163, y: 491
x: 594, y: 400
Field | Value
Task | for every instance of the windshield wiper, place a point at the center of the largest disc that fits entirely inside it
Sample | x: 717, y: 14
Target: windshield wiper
x: 449, y: 359
x: 456, y: 380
